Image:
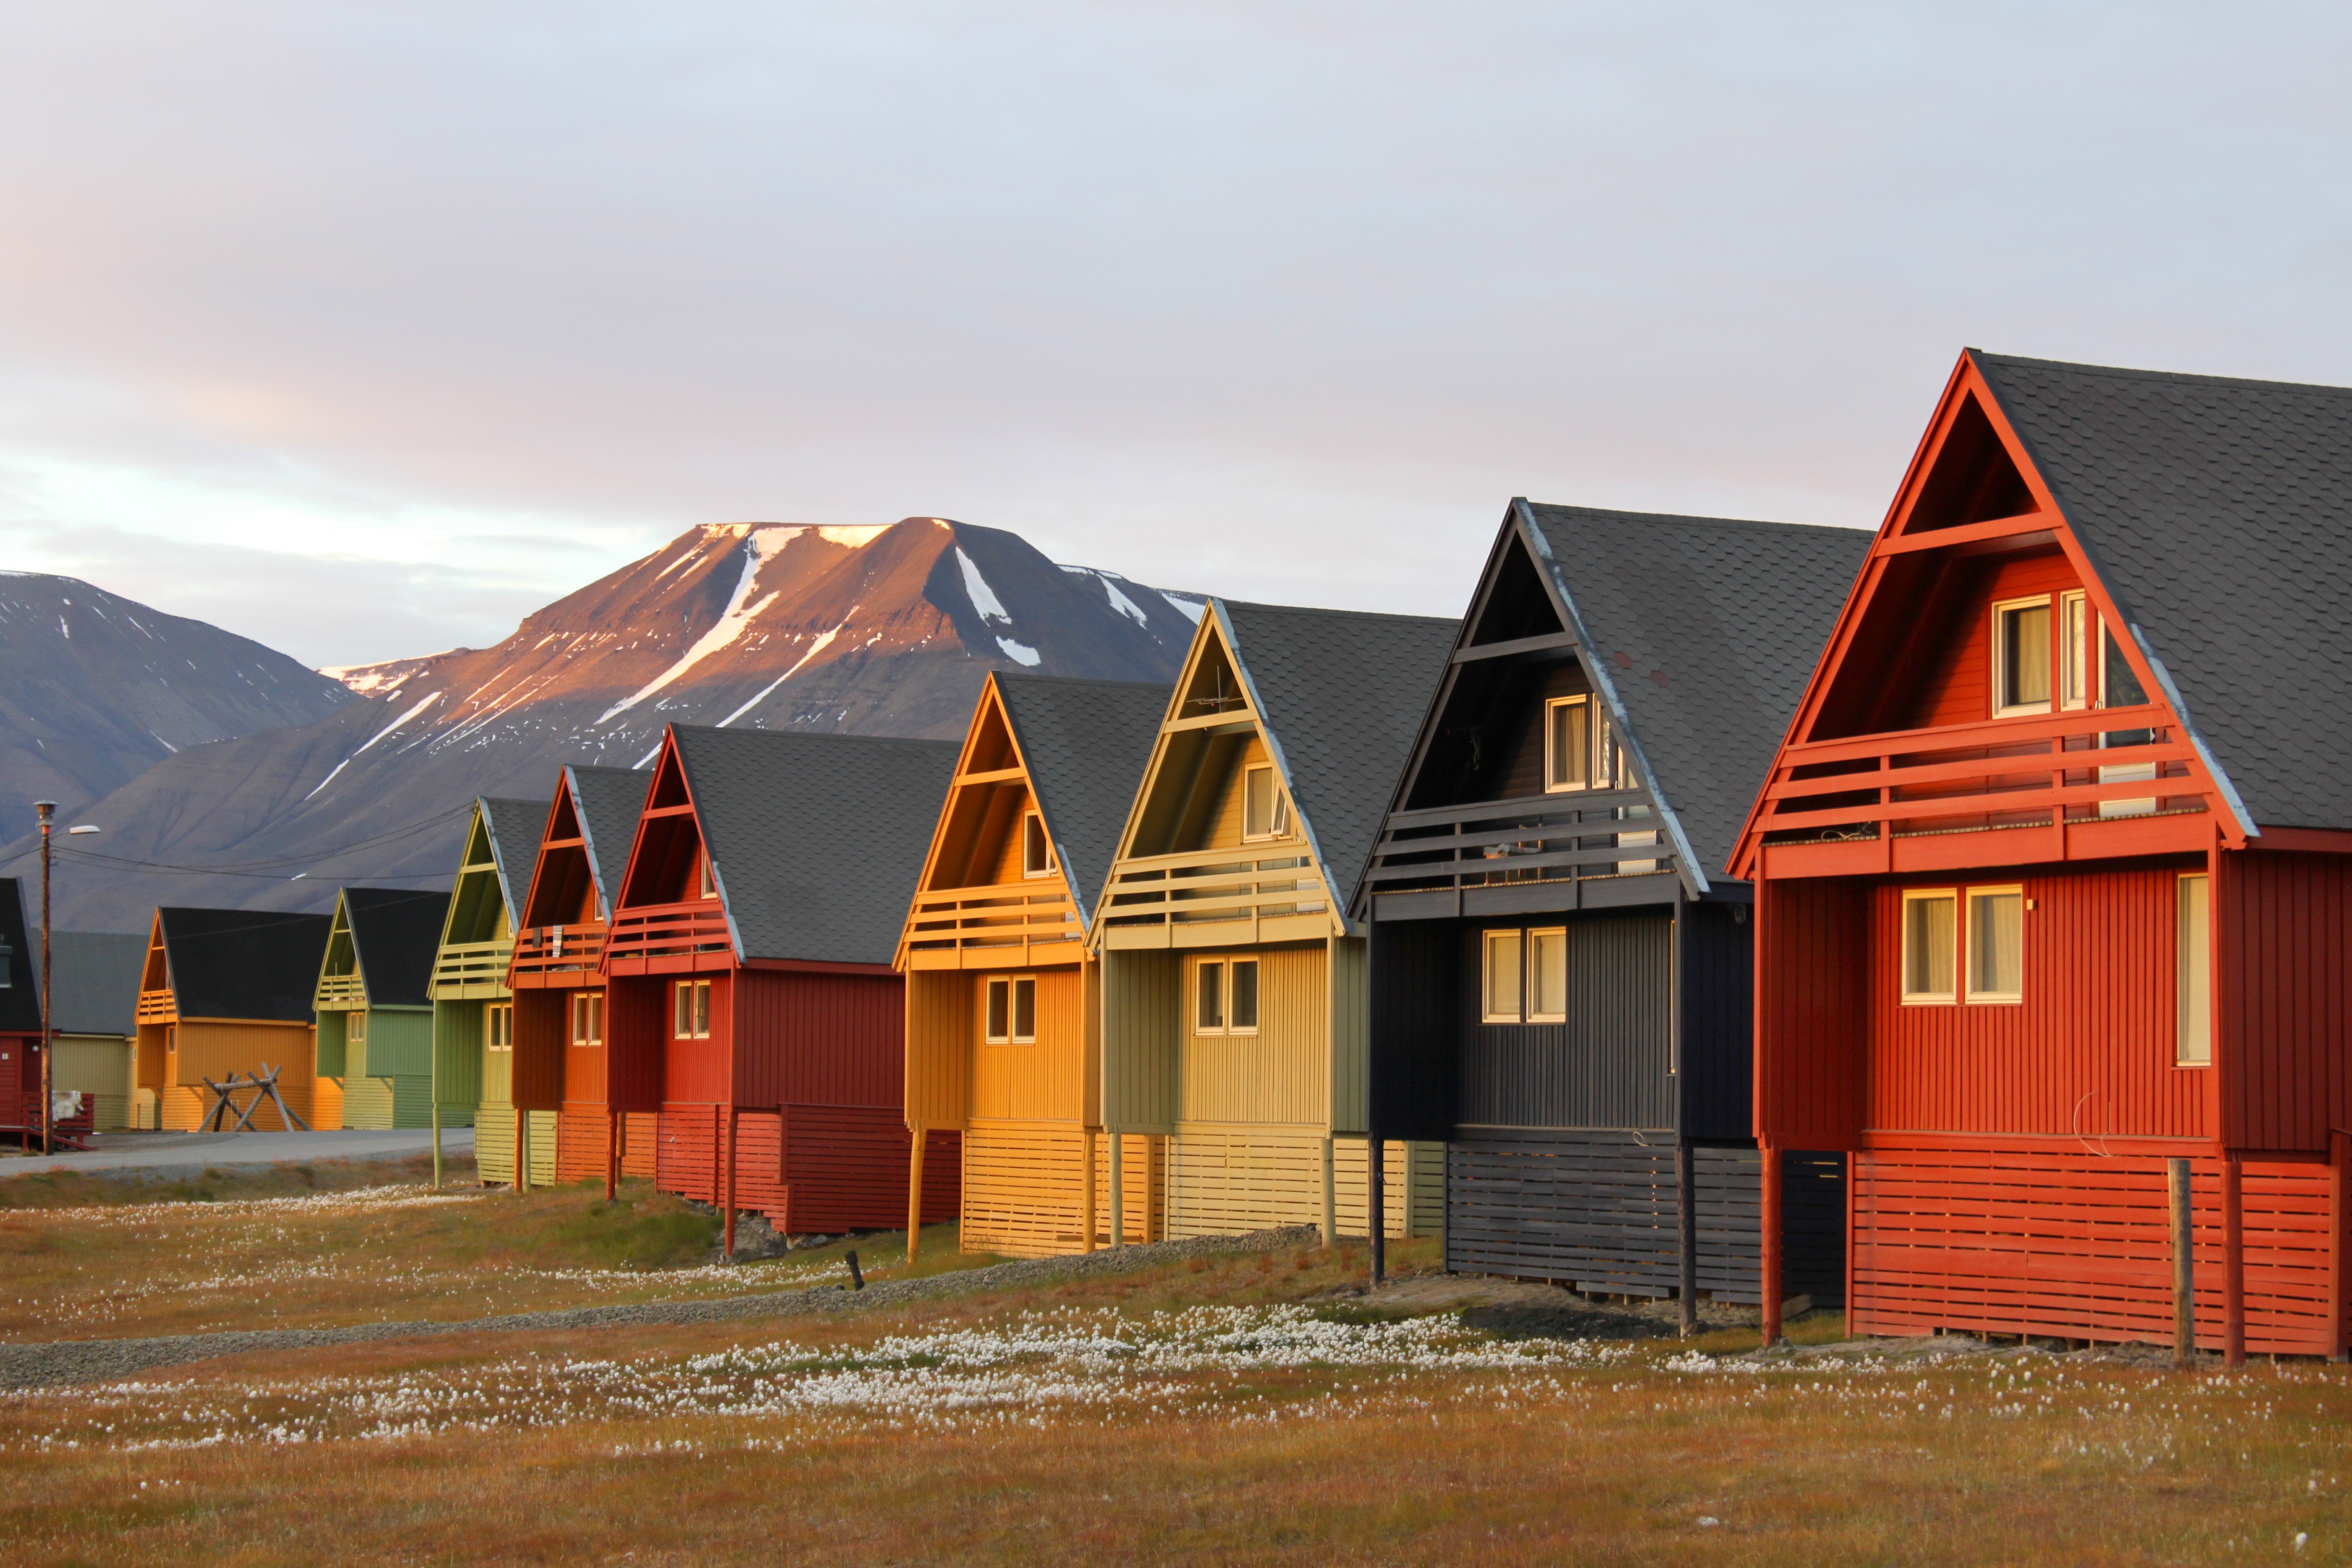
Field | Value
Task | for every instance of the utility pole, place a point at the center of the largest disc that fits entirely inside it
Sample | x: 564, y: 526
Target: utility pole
x: 47, y: 810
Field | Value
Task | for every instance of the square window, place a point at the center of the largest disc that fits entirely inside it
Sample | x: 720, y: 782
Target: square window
x: 1568, y: 744
x: 1996, y: 944
x: 1036, y: 849
x: 1241, y: 1018
x: 1209, y: 998
x: 2020, y: 657
x: 1265, y: 813
x: 1930, y: 946
x: 1547, y: 976
x: 2192, y: 964
x: 1499, y: 992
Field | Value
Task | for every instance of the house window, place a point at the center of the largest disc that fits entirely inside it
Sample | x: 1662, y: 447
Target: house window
x: 1265, y: 813
x: 355, y: 1029
x: 2192, y: 967
x: 691, y: 1010
x: 1996, y: 944
x: 1209, y: 997
x: 1241, y: 1000
x: 2073, y: 650
x: 1568, y: 744
x: 1931, y: 945
x: 706, y: 877
x: 1547, y: 976
x: 1036, y: 849
x: 498, y: 1026
x: 2020, y: 657
x: 588, y: 1017
x: 1013, y: 1009
x: 2118, y: 687
x: 1500, y: 989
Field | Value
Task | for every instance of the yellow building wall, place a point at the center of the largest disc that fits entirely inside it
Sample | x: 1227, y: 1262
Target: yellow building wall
x: 1044, y: 1081
x: 1025, y: 1186
x: 1225, y: 1181
x: 1142, y: 1050
x: 939, y: 1048
x: 1281, y: 1073
x: 494, y: 1145
x: 100, y: 1066
x: 195, y: 1051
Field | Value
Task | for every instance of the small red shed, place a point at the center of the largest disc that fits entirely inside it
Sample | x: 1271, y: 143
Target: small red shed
x: 2054, y: 868
x: 749, y: 989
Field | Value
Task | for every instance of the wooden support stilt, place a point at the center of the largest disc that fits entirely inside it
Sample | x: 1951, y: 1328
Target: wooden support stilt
x: 2184, y: 1267
x: 1118, y: 1193
x: 1376, y: 1206
x: 436, y: 1145
x: 522, y: 1151
x: 2339, y: 1231
x: 612, y: 1125
x: 2233, y: 1261
x: 1330, y: 1194
x: 1087, y: 1199
x: 733, y: 1130
x: 1687, y: 1220
x: 915, y: 1195
x: 1771, y: 1270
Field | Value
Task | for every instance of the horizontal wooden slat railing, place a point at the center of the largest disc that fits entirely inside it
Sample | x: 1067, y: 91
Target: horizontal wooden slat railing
x: 668, y: 930
x: 340, y: 992
x: 462, y: 964
x: 1223, y: 885
x: 1924, y: 781
x: 1553, y: 837
x: 1003, y: 914
x: 557, y: 949
x: 157, y: 1007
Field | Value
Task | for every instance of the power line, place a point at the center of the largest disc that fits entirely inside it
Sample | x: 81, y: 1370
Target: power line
x: 271, y: 868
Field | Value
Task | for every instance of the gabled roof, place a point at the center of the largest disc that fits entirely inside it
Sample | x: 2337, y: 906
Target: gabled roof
x: 514, y: 843
x: 94, y: 981
x: 243, y: 963
x: 20, y: 1004
x: 817, y: 840
x: 395, y: 931
x: 1700, y: 634
x: 1339, y: 694
x: 1085, y: 745
x: 2217, y: 514
x: 608, y: 801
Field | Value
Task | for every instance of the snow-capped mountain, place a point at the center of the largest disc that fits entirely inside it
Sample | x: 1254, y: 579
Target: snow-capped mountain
x: 881, y: 631
x: 95, y: 689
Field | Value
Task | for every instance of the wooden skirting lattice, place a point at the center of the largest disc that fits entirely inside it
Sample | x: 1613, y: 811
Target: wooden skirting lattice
x: 1224, y: 1179
x: 1597, y: 1209
x: 494, y: 1146
x: 811, y: 1169
x: 2073, y: 1245
x: 582, y: 1138
x: 1024, y: 1189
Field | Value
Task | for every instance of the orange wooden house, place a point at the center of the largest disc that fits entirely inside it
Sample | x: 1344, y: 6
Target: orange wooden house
x: 2054, y: 868
x: 751, y: 1000
x: 1004, y: 1003
x: 554, y: 1041
x: 227, y: 992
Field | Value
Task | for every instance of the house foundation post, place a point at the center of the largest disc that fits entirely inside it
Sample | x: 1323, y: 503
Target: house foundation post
x: 1087, y: 1198
x: 1686, y: 1213
x: 1770, y: 1270
x: 1118, y: 1193
x: 2184, y: 1267
x: 915, y: 1194
x: 2233, y: 1261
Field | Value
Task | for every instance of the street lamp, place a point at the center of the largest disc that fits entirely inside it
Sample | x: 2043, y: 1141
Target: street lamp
x: 47, y: 809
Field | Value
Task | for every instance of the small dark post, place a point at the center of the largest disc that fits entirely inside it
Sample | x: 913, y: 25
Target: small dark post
x: 611, y: 1152
x: 2233, y: 1261
x: 856, y: 1275
x: 727, y: 1181
x: 47, y: 810
x: 2184, y: 1268
x: 1687, y: 1206
x: 1771, y: 1267
x: 1379, y: 1210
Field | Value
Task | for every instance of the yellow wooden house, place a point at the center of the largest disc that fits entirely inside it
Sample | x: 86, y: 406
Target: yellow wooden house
x: 1004, y: 1013
x: 1233, y: 981
x: 473, y: 1011
x: 226, y: 992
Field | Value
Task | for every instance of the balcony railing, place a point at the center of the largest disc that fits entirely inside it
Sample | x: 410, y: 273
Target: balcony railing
x: 543, y: 950
x: 469, y: 970
x: 2087, y: 766
x: 340, y: 992
x: 1573, y: 836
x: 667, y: 931
x: 157, y: 1007
x: 1206, y: 886
x: 1006, y: 915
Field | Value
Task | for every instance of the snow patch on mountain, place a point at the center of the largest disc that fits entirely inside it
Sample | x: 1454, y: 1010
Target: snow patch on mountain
x: 761, y: 545
x: 1018, y: 652
x: 983, y: 598
x: 824, y: 640
x: 1191, y: 610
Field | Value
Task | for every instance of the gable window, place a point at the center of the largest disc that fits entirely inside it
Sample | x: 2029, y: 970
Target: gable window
x: 498, y: 1026
x: 2020, y: 657
x: 1012, y: 1009
x: 1996, y: 944
x: 588, y: 1017
x: 2118, y: 687
x: 1036, y: 849
x: 691, y: 1010
x: 2192, y: 965
x: 706, y: 877
x: 1568, y: 744
x: 1930, y: 946
x: 2073, y: 650
x: 1265, y: 812
x: 1209, y: 997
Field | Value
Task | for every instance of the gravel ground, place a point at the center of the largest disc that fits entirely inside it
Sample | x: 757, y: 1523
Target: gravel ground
x: 97, y: 1360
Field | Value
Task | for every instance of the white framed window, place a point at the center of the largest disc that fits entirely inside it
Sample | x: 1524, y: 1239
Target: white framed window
x: 1241, y: 995
x: 498, y: 1026
x: 1012, y: 1009
x: 1265, y: 810
x: 587, y: 1017
x: 2020, y: 657
x: 1209, y: 996
x: 1996, y: 944
x: 705, y: 879
x: 691, y: 1010
x: 2073, y: 649
x: 2192, y: 965
x: 355, y: 1028
x: 1037, y: 848
x: 1502, y: 980
x: 1568, y: 744
x: 1547, y: 977
x: 1931, y: 945
x: 1225, y: 997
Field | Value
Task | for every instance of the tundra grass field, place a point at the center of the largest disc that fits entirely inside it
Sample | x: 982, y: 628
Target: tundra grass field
x: 1242, y: 1405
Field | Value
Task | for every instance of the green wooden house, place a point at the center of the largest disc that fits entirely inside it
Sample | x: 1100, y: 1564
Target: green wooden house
x: 473, y: 1011
x: 375, y: 1015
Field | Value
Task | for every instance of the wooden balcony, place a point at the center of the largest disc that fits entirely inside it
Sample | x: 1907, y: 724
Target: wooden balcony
x: 668, y: 937
x: 465, y: 970
x: 555, y: 955
x: 338, y: 992
x: 158, y: 1007
x: 1551, y: 851
x: 2068, y: 786
x: 1007, y: 926
x: 1215, y: 898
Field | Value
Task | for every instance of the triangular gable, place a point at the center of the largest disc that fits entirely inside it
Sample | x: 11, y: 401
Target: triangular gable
x: 1972, y: 491
x: 341, y: 980
x: 479, y: 897
x: 661, y: 868
x: 155, y: 974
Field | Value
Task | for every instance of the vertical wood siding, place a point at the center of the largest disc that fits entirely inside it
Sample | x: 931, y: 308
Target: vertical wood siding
x: 1811, y: 968
x: 1956, y: 688
x: 1717, y: 1078
x: 2285, y: 1038
x: 1350, y: 1104
x: 542, y: 1034
x: 1280, y: 1074
x: 699, y: 1070
x: 2090, y: 1049
x: 830, y: 1040
x: 1142, y: 1027
x: 1227, y: 1181
x: 399, y: 1044
x: 636, y: 1031
x: 2041, y: 1241
x: 1607, y: 1065
x: 1415, y: 1027
x: 216, y: 1049
x: 1038, y: 1082
x: 457, y: 1059
x: 940, y: 1026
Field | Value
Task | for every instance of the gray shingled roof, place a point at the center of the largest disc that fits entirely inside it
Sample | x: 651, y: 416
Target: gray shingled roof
x: 1086, y: 744
x: 94, y: 981
x: 1704, y: 631
x: 515, y: 827
x: 818, y: 839
x: 396, y: 932
x: 609, y: 802
x: 243, y: 963
x: 1342, y: 693
x: 2219, y: 514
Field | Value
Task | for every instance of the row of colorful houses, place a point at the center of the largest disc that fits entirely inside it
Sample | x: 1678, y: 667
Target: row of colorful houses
x: 1719, y: 909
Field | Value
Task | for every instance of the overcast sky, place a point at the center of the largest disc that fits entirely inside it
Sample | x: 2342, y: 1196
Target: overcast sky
x: 362, y: 329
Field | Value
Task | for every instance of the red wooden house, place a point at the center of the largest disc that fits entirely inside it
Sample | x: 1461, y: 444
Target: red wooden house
x: 2054, y: 868
x: 751, y: 999
x: 558, y: 1030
